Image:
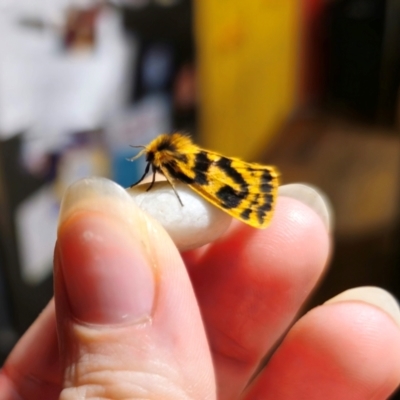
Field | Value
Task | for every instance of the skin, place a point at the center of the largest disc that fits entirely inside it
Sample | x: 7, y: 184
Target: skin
x: 138, y: 320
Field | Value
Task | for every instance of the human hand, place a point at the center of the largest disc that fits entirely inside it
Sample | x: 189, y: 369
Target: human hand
x: 135, y: 321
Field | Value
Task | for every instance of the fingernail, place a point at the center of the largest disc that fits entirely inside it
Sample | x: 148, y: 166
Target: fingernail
x: 372, y: 295
x: 313, y: 198
x: 105, y: 262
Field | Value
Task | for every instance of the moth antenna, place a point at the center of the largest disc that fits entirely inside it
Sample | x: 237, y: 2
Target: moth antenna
x: 152, y: 181
x: 137, y: 155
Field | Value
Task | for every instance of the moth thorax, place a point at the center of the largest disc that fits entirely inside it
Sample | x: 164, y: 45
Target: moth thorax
x: 157, y: 158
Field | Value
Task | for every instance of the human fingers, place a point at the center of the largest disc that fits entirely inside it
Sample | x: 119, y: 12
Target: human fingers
x: 251, y: 284
x: 348, y: 348
x: 32, y: 369
x: 128, y: 319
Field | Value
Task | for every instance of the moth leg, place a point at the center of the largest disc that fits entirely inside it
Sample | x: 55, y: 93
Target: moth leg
x: 168, y: 178
x: 145, y: 173
x: 153, y: 180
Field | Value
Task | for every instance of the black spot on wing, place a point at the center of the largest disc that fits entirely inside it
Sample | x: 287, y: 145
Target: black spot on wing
x: 230, y: 198
x: 265, y: 182
x: 269, y: 199
x: 261, y: 216
x: 201, y: 166
x: 225, y: 164
x: 265, y: 187
x: 183, y: 178
x: 177, y: 174
x: 265, y: 208
x: 245, y: 215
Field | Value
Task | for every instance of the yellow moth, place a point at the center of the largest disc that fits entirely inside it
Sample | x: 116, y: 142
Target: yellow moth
x: 246, y: 191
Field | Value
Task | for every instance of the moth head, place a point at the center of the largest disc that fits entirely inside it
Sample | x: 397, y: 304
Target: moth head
x: 150, y: 156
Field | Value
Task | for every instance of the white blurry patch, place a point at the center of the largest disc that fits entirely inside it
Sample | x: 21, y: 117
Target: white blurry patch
x: 36, y: 223
x: 190, y: 226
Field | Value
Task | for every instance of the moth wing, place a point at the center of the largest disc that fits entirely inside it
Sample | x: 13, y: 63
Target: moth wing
x: 245, y: 191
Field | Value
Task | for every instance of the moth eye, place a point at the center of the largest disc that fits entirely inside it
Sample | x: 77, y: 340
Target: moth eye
x: 150, y: 156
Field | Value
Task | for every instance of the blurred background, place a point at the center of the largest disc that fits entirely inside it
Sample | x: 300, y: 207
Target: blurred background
x: 311, y: 86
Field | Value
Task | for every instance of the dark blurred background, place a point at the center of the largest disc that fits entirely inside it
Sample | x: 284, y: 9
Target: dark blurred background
x: 311, y: 86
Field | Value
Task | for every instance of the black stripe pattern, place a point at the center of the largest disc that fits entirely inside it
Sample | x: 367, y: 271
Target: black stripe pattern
x: 201, y: 166
x: 230, y: 197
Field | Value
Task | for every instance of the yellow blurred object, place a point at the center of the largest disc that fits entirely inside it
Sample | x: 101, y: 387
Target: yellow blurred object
x: 247, y: 55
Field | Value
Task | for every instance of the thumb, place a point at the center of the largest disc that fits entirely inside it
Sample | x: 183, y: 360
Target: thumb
x: 128, y: 321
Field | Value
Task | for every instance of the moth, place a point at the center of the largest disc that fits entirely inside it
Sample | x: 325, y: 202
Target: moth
x: 246, y: 191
